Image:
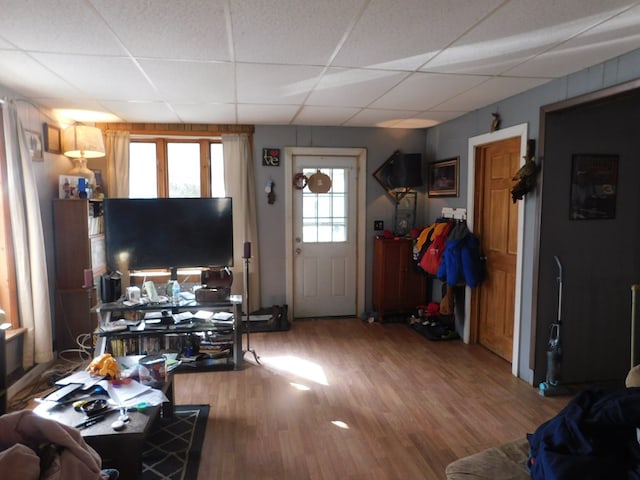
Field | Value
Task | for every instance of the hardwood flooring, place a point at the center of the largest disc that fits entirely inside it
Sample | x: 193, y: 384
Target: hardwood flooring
x: 345, y: 399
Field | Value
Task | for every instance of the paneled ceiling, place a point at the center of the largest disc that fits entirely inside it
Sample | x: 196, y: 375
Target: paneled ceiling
x: 390, y: 63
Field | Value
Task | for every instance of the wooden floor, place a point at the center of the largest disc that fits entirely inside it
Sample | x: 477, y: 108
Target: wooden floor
x: 345, y: 399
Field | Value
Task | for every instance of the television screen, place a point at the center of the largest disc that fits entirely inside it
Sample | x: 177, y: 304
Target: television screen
x: 146, y: 233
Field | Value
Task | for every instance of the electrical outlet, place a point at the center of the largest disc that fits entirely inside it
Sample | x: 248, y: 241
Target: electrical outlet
x: 378, y: 225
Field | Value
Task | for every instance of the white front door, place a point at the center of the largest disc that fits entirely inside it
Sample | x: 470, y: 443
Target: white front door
x: 324, y: 239
x: 324, y: 232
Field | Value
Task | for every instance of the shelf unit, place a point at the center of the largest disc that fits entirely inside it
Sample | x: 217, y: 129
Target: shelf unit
x: 227, y: 338
x: 79, y: 253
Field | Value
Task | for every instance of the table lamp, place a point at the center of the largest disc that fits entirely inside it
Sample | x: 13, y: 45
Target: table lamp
x: 81, y: 142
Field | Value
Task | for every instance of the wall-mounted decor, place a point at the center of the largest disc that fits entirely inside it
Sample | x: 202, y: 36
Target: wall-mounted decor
x: 52, y: 142
x: 594, y: 183
x: 34, y: 143
x: 384, y: 173
x: 444, y: 178
x: 270, y: 157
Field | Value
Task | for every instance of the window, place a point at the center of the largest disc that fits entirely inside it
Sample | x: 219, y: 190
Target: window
x: 8, y: 295
x: 173, y: 167
x: 324, y: 215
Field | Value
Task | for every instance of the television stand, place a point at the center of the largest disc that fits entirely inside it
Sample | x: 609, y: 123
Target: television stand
x: 217, y: 337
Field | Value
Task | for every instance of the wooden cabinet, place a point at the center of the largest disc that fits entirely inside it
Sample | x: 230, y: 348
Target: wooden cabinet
x: 80, y: 258
x: 397, y: 286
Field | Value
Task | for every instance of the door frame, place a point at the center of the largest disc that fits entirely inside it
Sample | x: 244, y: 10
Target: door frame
x: 515, y: 131
x: 360, y: 154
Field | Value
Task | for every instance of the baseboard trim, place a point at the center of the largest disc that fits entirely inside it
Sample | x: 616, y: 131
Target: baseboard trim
x: 32, y: 375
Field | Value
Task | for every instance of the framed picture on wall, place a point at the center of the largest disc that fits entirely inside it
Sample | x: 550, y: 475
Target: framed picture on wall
x: 34, y: 143
x: 52, y: 142
x: 444, y: 178
x: 594, y: 187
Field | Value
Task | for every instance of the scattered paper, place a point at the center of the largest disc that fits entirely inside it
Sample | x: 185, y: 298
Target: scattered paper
x: 81, y: 376
x: 124, y: 391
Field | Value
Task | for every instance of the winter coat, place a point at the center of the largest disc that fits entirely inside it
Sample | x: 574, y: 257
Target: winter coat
x: 461, y: 261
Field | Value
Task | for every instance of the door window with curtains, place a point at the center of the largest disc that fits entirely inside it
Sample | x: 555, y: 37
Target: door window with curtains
x: 176, y: 168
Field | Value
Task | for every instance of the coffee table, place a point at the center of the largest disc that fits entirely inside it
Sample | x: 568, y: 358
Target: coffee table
x: 122, y: 449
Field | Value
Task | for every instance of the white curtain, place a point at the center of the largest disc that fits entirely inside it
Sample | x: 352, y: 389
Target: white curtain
x: 28, y: 243
x: 240, y: 186
x: 116, y: 147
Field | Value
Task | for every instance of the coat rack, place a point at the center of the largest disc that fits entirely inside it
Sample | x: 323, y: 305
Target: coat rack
x: 456, y: 213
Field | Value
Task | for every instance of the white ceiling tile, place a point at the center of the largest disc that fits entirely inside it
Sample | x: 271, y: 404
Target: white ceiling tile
x: 66, y: 26
x: 191, y: 82
x: 489, y: 92
x: 275, y: 84
x: 439, y: 116
x: 422, y: 91
x: 519, y: 30
x: 142, y: 111
x: 266, y: 114
x: 324, y: 115
x: 616, y: 37
x: 26, y: 76
x: 290, y: 32
x: 403, y: 34
x: 101, y: 77
x: 206, y: 112
x: 379, y: 117
x: 328, y: 62
x: 182, y: 29
x: 353, y: 87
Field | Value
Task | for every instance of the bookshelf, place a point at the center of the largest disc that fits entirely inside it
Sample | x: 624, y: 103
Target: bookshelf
x: 133, y: 330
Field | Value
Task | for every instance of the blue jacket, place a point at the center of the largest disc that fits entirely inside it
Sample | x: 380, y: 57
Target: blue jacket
x: 592, y: 438
x: 461, y: 261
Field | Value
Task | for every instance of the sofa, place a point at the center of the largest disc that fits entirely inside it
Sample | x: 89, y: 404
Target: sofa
x: 509, y: 460
x: 504, y: 462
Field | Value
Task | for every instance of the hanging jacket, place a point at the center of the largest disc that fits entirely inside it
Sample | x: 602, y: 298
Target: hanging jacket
x: 432, y: 258
x: 461, y: 261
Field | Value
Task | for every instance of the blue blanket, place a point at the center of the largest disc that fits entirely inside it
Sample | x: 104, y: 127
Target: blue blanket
x: 593, y: 437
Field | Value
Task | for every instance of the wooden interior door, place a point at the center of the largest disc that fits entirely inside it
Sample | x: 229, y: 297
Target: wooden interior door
x: 497, y: 227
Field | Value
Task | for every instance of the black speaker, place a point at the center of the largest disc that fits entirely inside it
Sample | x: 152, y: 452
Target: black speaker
x: 110, y: 287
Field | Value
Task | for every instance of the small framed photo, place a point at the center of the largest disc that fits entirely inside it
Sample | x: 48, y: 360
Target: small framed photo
x: 52, y: 139
x: 34, y: 143
x: 444, y: 178
x: 594, y: 187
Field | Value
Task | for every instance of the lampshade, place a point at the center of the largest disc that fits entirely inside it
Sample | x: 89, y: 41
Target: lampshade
x: 81, y: 141
x: 406, y: 171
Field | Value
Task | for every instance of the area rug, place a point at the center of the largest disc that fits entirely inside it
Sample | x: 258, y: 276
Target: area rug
x: 172, y: 449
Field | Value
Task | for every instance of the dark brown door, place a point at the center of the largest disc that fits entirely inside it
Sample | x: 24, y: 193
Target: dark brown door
x: 497, y: 227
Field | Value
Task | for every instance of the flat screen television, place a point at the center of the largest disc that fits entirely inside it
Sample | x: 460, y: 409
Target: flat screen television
x: 150, y: 233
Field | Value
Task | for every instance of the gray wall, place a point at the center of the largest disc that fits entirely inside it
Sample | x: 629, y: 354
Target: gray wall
x: 451, y: 139
x: 380, y: 144
x: 600, y: 257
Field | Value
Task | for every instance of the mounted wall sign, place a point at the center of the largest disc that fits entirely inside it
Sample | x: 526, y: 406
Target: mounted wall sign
x: 270, y: 157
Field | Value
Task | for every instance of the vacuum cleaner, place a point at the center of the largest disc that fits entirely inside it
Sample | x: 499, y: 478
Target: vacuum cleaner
x: 551, y: 386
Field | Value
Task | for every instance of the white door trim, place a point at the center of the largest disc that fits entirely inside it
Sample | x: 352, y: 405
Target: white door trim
x: 361, y: 196
x: 515, y: 131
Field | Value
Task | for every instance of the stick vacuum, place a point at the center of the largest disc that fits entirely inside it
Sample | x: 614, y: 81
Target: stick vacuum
x: 551, y: 386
